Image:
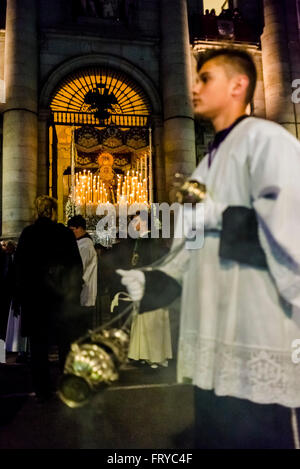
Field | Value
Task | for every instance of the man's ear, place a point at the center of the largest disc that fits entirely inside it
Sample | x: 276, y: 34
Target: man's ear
x: 240, y: 86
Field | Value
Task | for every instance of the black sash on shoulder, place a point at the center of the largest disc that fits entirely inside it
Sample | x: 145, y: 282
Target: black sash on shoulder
x: 239, y: 237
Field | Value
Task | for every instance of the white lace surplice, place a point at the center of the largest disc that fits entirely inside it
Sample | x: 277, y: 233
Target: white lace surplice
x: 236, y: 329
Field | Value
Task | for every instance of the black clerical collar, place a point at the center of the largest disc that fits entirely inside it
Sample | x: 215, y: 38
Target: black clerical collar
x: 220, y: 137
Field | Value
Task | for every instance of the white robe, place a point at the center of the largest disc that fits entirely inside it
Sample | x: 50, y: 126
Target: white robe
x: 14, y: 342
x: 89, y: 261
x: 150, y: 337
x: 236, y: 329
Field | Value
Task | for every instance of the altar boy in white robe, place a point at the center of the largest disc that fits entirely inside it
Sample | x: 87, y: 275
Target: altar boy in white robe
x: 89, y: 259
x: 240, y: 309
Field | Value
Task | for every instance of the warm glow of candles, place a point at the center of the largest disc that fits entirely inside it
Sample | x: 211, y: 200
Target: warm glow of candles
x: 130, y: 188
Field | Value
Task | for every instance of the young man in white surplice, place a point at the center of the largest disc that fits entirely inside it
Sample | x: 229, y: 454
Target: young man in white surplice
x: 241, y: 292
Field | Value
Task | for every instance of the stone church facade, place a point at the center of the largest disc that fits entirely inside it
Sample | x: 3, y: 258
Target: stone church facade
x: 137, y: 57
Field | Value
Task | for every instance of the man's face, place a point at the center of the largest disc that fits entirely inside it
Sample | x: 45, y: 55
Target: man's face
x: 212, y: 90
x: 77, y: 231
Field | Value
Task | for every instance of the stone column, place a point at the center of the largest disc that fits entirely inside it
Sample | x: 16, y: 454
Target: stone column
x: 179, y: 132
x: 43, y: 158
x: 259, y: 100
x: 279, y: 44
x: 20, y: 116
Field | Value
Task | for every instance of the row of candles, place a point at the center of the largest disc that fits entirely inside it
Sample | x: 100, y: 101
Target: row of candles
x: 91, y: 190
x: 132, y: 188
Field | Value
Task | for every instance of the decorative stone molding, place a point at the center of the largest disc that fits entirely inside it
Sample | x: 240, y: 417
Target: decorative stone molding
x: 116, y: 62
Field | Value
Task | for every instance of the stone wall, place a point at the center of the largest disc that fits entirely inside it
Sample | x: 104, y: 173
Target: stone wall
x: 56, y: 48
x: 2, y: 89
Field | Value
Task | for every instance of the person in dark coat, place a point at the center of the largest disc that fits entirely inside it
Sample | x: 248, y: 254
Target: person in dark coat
x: 49, y: 281
x: 3, y: 317
x: 6, y: 284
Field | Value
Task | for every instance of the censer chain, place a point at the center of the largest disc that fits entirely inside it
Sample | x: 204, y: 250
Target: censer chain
x: 134, y: 305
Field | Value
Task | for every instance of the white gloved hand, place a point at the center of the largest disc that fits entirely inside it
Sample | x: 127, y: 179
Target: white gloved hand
x: 134, y: 281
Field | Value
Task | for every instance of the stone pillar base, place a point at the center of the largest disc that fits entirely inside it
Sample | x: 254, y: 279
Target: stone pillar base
x: 19, y: 170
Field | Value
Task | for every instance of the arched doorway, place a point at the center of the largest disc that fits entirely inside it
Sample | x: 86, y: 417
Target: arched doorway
x: 100, y: 140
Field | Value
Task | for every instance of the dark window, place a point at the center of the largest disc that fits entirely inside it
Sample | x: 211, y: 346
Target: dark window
x: 2, y: 14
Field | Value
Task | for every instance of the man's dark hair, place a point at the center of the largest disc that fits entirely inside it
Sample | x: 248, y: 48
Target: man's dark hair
x: 239, y: 59
x: 77, y: 221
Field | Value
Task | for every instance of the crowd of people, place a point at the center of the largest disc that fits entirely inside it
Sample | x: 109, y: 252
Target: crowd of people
x: 230, y: 14
x: 51, y: 281
x: 8, y: 304
x: 229, y: 23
